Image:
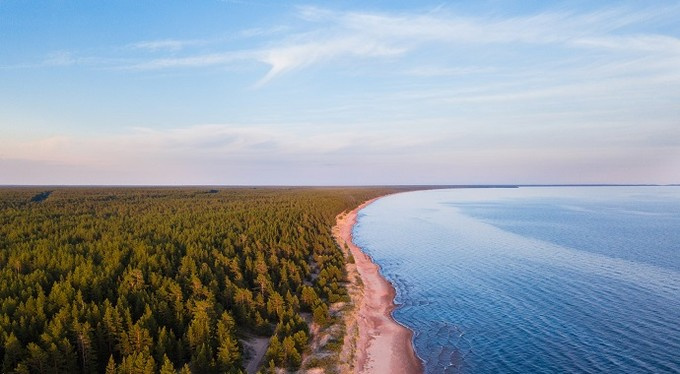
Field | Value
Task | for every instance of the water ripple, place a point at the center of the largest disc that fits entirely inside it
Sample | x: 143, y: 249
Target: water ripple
x: 494, y: 281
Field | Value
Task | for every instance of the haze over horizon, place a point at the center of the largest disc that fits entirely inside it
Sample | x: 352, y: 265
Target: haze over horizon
x: 239, y: 92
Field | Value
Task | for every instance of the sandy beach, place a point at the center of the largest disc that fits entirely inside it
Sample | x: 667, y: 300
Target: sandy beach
x: 374, y: 342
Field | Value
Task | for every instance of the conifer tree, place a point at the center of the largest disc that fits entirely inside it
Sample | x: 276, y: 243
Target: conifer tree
x: 168, y: 367
x: 37, y: 358
x: 228, y: 355
x: 13, y: 353
x: 111, y: 366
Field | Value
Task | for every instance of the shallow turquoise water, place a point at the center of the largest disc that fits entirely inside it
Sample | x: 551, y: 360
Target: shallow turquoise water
x: 541, y: 280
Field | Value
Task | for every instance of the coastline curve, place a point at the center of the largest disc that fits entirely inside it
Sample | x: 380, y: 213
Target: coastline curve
x: 375, y: 342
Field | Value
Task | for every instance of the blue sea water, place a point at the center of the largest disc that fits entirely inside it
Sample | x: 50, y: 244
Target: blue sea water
x: 534, y: 279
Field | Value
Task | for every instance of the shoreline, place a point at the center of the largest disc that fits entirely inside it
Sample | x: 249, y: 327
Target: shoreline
x: 374, y: 341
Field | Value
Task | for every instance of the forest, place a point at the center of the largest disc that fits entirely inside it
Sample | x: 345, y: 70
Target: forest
x: 149, y: 280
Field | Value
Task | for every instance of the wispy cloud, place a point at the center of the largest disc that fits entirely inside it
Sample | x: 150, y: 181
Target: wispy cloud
x: 661, y: 44
x: 299, y: 55
x: 441, y: 71
x: 176, y: 45
x: 65, y: 58
x: 327, y: 36
x: 60, y: 58
x: 442, y: 25
x: 335, y: 35
x: 172, y: 45
x: 197, y: 61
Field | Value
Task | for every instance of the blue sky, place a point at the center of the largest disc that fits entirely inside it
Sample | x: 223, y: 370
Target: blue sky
x: 342, y: 92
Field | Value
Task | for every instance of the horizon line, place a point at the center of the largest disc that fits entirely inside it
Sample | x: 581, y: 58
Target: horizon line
x: 464, y: 185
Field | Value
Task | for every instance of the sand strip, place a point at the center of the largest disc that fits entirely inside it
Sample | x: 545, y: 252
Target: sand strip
x: 374, y: 343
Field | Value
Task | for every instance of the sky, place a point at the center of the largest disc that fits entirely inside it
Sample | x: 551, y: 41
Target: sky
x: 240, y: 92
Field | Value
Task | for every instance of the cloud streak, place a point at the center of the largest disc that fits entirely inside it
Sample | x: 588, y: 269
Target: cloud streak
x: 172, y: 45
x: 296, y: 56
x: 328, y: 37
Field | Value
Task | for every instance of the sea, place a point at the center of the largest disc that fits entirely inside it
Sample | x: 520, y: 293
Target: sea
x: 533, y: 279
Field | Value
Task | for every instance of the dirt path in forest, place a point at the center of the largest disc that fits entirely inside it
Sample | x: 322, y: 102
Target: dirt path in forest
x: 257, y: 346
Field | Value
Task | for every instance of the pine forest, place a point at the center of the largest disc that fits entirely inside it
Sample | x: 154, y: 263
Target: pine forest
x: 147, y: 280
